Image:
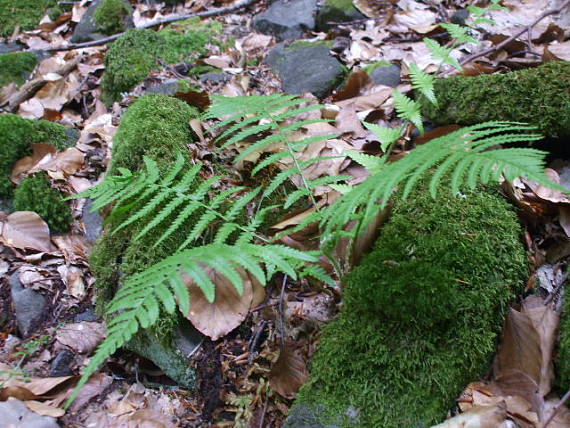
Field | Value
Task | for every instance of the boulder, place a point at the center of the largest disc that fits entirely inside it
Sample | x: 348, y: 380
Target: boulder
x: 287, y: 19
x: 29, y: 306
x: 334, y: 11
x: 95, y: 24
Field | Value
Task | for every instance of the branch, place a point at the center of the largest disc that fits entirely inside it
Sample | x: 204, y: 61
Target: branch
x: 214, y: 12
x: 557, y: 408
x: 518, y: 34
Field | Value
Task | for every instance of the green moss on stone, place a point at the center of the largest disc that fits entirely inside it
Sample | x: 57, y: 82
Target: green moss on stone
x: 110, y: 16
x: 36, y: 194
x: 539, y: 96
x: 335, y: 11
x: 422, y: 313
x: 25, y: 14
x: 16, y: 135
x: 371, y: 67
x: 16, y: 67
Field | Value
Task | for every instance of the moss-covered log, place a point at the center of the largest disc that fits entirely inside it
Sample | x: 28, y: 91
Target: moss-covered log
x: 539, y: 96
x: 421, y: 315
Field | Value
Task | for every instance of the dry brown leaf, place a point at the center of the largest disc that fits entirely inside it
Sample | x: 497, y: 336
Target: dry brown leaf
x: 25, y: 229
x: 22, y: 167
x: 82, y: 337
x: 16, y: 391
x: 289, y: 372
x: 96, y: 384
x: 479, y: 417
x: 227, y: 311
x: 547, y: 193
x: 44, y: 409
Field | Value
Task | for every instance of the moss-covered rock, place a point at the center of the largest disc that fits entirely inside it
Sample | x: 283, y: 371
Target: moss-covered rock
x: 539, y: 96
x: 16, y: 67
x: 135, y: 54
x: 335, y: 11
x: 421, y: 316
x: 16, y: 135
x: 155, y: 126
x: 112, y: 15
x: 25, y: 14
x: 36, y: 194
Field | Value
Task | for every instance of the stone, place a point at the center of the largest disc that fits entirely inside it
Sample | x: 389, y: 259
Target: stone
x: 60, y: 365
x: 287, y: 19
x: 88, y: 30
x: 92, y: 222
x: 459, y: 16
x: 29, y: 306
x: 169, y: 87
x: 387, y: 75
x: 215, y: 78
x: 7, y: 47
x: 306, y: 67
x: 305, y: 416
x: 15, y: 414
x: 89, y: 315
x: 335, y: 11
x: 172, y: 354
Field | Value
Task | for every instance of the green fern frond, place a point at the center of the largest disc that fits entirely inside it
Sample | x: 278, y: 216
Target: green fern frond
x: 386, y: 136
x: 459, y: 33
x: 408, y: 109
x: 371, y: 163
x: 423, y: 82
x: 441, y: 53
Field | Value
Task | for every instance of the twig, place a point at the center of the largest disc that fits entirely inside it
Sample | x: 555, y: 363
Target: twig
x: 263, y: 414
x: 514, y: 36
x: 281, y: 316
x: 557, y: 408
x: 214, y: 12
x: 29, y: 89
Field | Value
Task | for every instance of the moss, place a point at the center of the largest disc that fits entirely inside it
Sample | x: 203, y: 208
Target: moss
x: 36, y: 194
x: 563, y: 358
x: 336, y: 11
x: 16, y: 135
x: 540, y: 96
x: 371, y: 67
x: 25, y: 14
x: 16, y: 67
x: 135, y: 54
x: 110, y: 16
x: 422, y: 313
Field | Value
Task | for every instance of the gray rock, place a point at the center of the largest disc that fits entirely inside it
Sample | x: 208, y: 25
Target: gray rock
x: 72, y: 135
x: 169, y: 87
x: 459, y: 16
x: 215, y: 77
x: 92, y: 221
x: 60, y: 365
x: 6, y: 47
x: 287, y: 19
x: 388, y: 75
x: 29, y: 306
x: 335, y: 11
x: 89, y: 315
x: 87, y: 30
x: 171, y: 355
x: 16, y: 414
x: 7, y: 205
x: 306, y: 67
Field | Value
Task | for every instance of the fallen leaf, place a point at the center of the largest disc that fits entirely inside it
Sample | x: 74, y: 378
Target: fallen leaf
x: 96, y: 384
x: 82, y: 337
x: 22, y: 167
x: 479, y: 417
x: 44, y: 409
x: 25, y: 229
x: 289, y: 372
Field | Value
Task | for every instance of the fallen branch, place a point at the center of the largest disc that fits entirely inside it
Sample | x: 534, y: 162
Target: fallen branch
x: 214, y: 12
x: 29, y: 89
x: 516, y: 35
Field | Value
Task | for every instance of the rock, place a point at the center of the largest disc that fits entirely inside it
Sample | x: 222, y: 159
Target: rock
x: 87, y: 29
x: 60, y: 365
x: 172, y: 355
x: 6, y: 47
x: 169, y: 87
x: 334, y: 11
x: 89, y: 315
x: 16, y: 414
x: 306, y: 67
x: 215, y: 77
x: 388, y: 75
x: 93, y: 223
x: 287, y: 19
x: 29, y: 306
x: 459, y: 16
x: 305, y: 416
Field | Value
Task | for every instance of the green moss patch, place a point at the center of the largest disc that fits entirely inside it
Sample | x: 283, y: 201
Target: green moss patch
x: 35, y: 194
x: 422, y: 313
x: 110, y: 16
x: 16, y: 67
x: 25, y: 14
x: 563, y: 359
x: 539, y: 96
x: 16, y: 135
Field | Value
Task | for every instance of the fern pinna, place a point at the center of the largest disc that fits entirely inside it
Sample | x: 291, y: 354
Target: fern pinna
x: 233, y: 246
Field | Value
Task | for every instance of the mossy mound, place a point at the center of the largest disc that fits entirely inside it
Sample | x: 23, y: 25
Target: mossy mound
x: 16, y: 67
x: 155, y: 126
x: 25, y: 14
x: 36, y: 194
x: 563, y: 359
x: 135, y: 54
x: 111, y: 16
x: 16, y: 135
x: 422, y: 314
x: 539, y: 96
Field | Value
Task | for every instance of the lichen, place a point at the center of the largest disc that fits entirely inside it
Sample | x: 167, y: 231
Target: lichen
x: 110, y: 16
x: 421, y: 313
x: 16, y: 66
x: 24, y: 14
x: 539, y: 96
x: 16, y: 135
x: 35, y: 194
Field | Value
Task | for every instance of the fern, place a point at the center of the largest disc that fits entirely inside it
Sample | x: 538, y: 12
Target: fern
x: 441, y: 53
x: 459, y: 33
x: 408, y: 109
x: 463, y: 156
x: 423, y: 82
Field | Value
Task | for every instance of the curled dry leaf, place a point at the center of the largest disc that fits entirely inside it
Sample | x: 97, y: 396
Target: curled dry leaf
x: 228, y: 310
x: 479, y: 417
x: 40, y: 151
x: 82, y: 337
x: 289, y: 372
x: 25, y: 229
x: 44, y: 409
